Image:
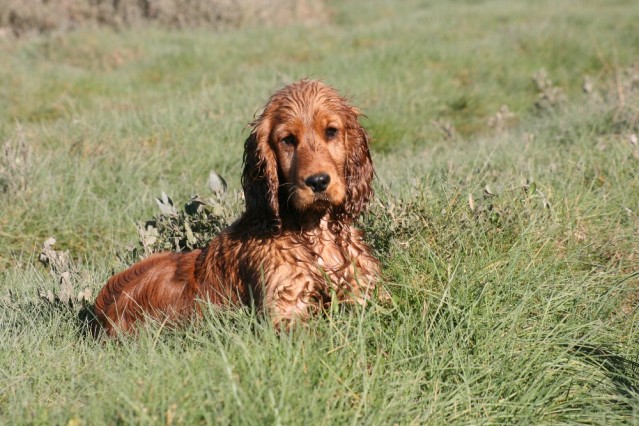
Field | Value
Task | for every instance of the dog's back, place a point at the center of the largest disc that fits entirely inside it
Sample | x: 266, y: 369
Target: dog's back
x: 163, y: 286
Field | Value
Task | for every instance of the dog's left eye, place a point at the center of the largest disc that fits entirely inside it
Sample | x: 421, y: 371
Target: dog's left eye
x: 289, y: 140
x: 331, y: 132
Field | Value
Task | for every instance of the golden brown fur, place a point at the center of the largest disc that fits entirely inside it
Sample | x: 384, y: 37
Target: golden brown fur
x: 307, y: 176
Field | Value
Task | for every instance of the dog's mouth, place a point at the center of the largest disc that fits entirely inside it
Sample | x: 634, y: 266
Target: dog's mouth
x: 321, y: 201
x: 306, y: 200
x: 316, y: 202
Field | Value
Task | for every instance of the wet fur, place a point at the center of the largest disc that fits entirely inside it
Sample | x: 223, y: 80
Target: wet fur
x: 293, y: 250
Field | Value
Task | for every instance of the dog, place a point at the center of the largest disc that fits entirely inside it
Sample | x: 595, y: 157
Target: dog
x: 307, y: 174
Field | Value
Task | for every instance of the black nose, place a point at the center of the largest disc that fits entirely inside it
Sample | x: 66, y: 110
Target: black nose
x: 318, y: 182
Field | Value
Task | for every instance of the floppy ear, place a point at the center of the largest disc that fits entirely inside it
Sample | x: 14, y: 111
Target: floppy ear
x: 359, y: 167
x: 259, y: 178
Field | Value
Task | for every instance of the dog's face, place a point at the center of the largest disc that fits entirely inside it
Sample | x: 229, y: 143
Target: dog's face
x: 309, y: 141
x: 307, y: 152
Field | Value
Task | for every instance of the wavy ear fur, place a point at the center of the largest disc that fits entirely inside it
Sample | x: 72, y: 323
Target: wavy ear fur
x: 359, y: 168
x: 259, y: 177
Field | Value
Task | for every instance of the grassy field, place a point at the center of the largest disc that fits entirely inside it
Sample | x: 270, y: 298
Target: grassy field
x: 506, y: 218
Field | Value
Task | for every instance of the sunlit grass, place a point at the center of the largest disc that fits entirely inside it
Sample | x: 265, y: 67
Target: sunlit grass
x: 510, y: 251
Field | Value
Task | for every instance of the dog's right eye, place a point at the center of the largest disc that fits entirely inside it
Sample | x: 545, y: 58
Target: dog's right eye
x: 331, y: 132
x: 289, y: 140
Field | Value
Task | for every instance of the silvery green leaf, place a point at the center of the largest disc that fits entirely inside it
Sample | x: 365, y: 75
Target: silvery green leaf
x: 166, y: 199
x: 166, y: 205
x: 66, y: 287
x: 217, y: 184
x: 48, y: 242
x: 150, y: 240
x: 190, y: 238
x: 150, y: 230
x: 149, y: 235
x: 218, y: 211
x: 84, y: 296
x: 46, y: 295
x: 166, y: 209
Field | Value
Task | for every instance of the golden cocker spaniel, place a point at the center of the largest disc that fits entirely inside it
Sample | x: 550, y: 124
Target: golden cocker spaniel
x: 307, y: 176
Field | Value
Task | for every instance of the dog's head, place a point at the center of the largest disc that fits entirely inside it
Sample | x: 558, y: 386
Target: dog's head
x: 306, y: 153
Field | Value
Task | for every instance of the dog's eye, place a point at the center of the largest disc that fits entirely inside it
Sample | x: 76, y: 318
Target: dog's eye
x: 289, y: 140
x: 331, y: 132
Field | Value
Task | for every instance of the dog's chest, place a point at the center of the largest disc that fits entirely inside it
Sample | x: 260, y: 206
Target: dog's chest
x: 324, y: 251
x: 338, y: 260
x: 301, y: 267
x: 326, y: 254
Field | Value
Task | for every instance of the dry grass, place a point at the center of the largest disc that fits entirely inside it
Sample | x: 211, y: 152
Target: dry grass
x: 22, y: 17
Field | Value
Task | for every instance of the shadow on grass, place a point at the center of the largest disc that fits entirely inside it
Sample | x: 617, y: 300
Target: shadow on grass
x: 622, y: 372
x: 88, y: 324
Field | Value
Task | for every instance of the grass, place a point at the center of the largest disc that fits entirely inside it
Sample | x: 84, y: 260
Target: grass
x: 511, y: 252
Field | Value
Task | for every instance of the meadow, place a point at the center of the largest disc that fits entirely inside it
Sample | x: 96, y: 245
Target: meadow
x: 506, y: 216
